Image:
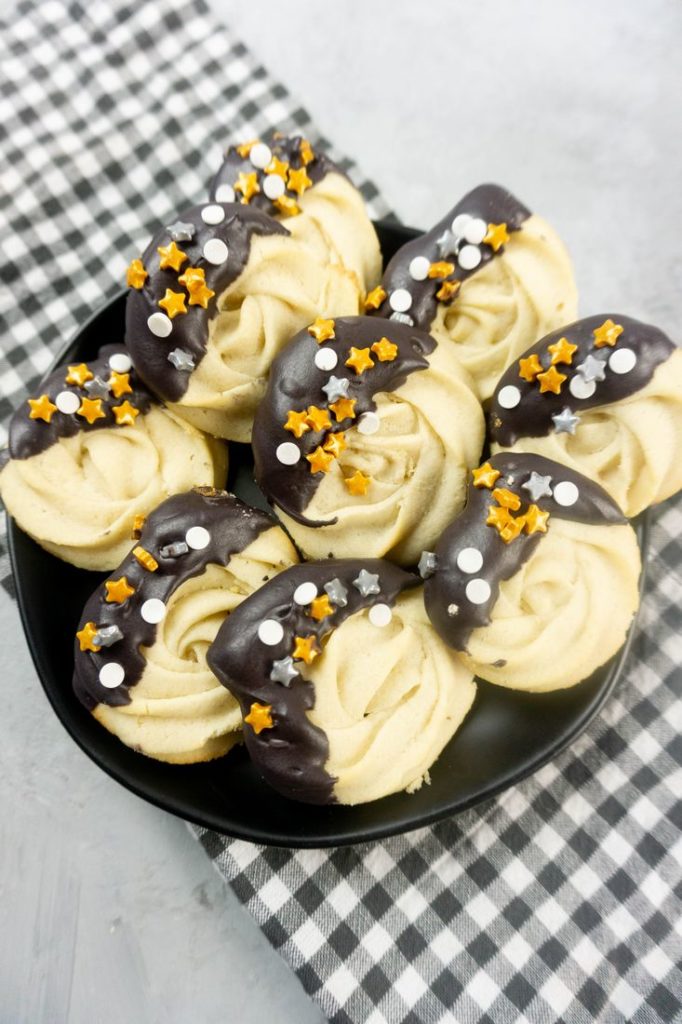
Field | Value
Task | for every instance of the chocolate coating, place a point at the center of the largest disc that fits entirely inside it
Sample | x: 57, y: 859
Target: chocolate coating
x: 190, y: 329
x: 232, y: 526
x: 447, y: 587
x: 295, y: 382
x: 490, y: 203
x: 532, y: 417
x: 292, y: 754
x: 29, y: 437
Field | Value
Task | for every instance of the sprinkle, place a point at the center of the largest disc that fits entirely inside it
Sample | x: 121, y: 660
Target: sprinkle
x: 289, y: 207
x: 173, y: 303
x: 321, y: 608
x: 375, y: 298
x: 566, y: 493
x: 337, y: 592
x: 111, y: 675
x: 125, y: 414
x: 565, y: 421
x: 326, y: 359
x: 478, y: 591
x: 260, y: 155
x: 136, y: 275
x: 551, y: 380
x: 279, y: 168
x: 453, y: 609
x: 400, y: 300
x: 509, y: 396
x: 448, y: 290
x: 335, y: 444
x: 469, y: 257
x: 100, y: 388
x: 298, y: 181
x: 171, y: 256
x: 358, y: 483
x: 380, y: 615
x: 305, y: 649
x: 322, y: 330
x: 535, y: 520
x: 78, y: 374
x: 259, y: 717
x: 385, y: 350
x: 283, y: 671
x: 91, y: 409
x: 273, y: 186
x: 118, y: 591
x: 592, y: 368
x: 343, y: 409
x: 174, y: 550
x: 562, y: 351
x: 447, y: 244
x: 367, y: 583
x: 460, y: 222
x: 120, y: 362
x: 498, y: 516
x: 475, y: 231
x: 119, y: 383
x: 581, y: 388
x: 42, y: 408
x: 137, y: 527
x: 86, y: 637
x: 213, y: 214
x: 306, y: 151
x: 529, y: 368
x: 469, y: 560
x: 159, y: 324
x: 224, y: 193
x: 440, y: 270
x: 418, y: 268
x: 193, y: 278
x: 507, y: 499
x: 305, y: 593
x: 288, y: 453
x: 247, y: 184
x: 320, y: 460
x: 360, y: 360
x: 297, y: 423
x: 485, y: 475
x: 318, y: 418
x: 607, y: 334
x: 336, y: 387
x: 182, y: 360
x: 369, y: 423
x: 153, y: 610
x: 107, y: 636
x: 197, y: 538
x: 512, y: 528
x: 427, y: 564
x: 181, y: 230
x: 496, y: 236
x: 622, y: 360
x: 145, y: 558
x: 538, y: 486
x: 215, y: 251
x: 270, y: 632
x: 244, y: 148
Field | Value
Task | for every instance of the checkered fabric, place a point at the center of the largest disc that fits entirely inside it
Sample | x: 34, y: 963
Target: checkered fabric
x: 559, y: 901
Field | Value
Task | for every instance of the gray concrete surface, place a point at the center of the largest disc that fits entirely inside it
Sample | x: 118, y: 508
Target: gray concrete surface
x: 109, y: 911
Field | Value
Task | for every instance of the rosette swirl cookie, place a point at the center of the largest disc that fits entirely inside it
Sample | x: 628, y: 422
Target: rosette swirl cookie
x: 347, y: 693
x: 489, y: 277
x: 91, y: 452
x: 537, y: 580
x: 288, y: 179
x: 140, y: 652
x: 213, y: 299
x: 365, y: 437
x: 604, y: 396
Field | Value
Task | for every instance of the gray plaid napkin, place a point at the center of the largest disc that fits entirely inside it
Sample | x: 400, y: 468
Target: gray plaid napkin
x: 561, y: 900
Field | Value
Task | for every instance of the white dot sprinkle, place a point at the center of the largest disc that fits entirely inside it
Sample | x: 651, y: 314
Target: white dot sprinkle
x: 67, y: 402
x: 419, y: 268
x: 213, y: 214
x: 288, y: 453
x: 111, y: 675
x: 260, y: 155
x: 622, y: 360
x: 369, y: 423
x: 326, y: 359
x: 469, y: 560
x: 380, y: 614
x: 160, y: 325
x: 197, y: 538
x: 273, y: 186
x: 224, y: 193
x: 120, y: 362
x: 270, y: 632
x: 400, y: 300
x: 215, y: 251
x: 475, y: 231
x: 566, y: 493
x: 509, y: 396
x: 153, y: 610
x: 581, y: 388
x: 477, y: 591
x: 305, y: 593
x: 469, y: 257
x: 460, y: 222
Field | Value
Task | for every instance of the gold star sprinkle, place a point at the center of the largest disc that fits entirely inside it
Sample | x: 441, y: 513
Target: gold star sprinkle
x: 529, y: 368
x: 358, y: 483
x: 193, y: 278
x: 441, y: 269
x: 120, y: 384
x: 317, y: 418
x: 297, y: 423
x: 607, y: 334
x: 485, y: 475
x: 343, y: 409
x: 496, y: 236
x: 146, y: 559
x: 244, y: 148
x: 201, y: 296
x: 125, y: 414
x: 320, y: 460
x: 562, y: 351
x: 171, y: 256
x: 138, y: 526
x: 41, y: 408
x: 118, y: 591
x: 78, y: 374
x: 91, y: 409
x: 551, y: 380
x: 247, y: 184
x: 335, y: 443
x: 498, y: 516
x: 305, y: 649
x: 173, y: 303
x: 535, y: 520
x: 259, y: 717
x: 298, y: 181
x: 321, y: 608
x: 85, y: 636
x: 507, y: 499
x: 288, y: 206
x: 512, y: 528
x: 278, y: 167
x: 385, y: 350
x: 359, y: 359
x: 136, y: 275
x: 374, y: 298
x: 306, y: 151
x: 448, y: 290
x: 322, y: 330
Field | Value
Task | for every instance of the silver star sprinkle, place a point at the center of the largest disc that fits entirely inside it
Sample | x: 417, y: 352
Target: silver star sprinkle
x: 106, y: 636
x: 97, y: 387
x: 174, y: 550
x: 337, y: 593
x: 538, y: 486
x: 336, y: 387
x: 402, y: 318
x: 181, y: 360
x: 592, y: 368
x: 181, y: 231
x: 448, y: 243
x: 565, y: 421
x: 283, y: 671
x: 428, y: 563
x: 367, y: 583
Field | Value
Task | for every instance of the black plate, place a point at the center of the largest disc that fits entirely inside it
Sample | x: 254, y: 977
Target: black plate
x: 506, y: 737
